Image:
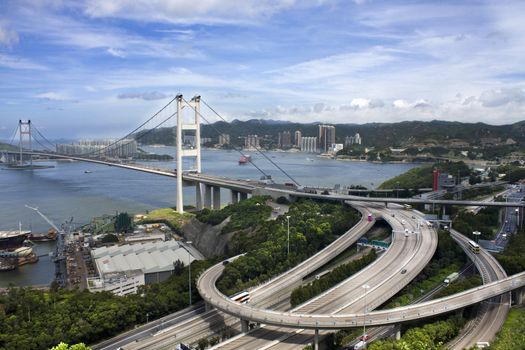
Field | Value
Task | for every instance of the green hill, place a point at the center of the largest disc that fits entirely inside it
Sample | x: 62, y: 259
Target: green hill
x: 380, y: 135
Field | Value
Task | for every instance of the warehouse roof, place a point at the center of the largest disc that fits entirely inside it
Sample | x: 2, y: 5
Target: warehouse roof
x: 149, y: 257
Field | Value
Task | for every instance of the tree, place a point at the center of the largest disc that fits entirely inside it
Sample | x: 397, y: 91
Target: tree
x: 64, y: 346
x: 109, y: 238
x: 123, y: 223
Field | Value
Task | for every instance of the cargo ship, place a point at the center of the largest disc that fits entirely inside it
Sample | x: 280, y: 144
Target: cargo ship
x: 10, y: 260
x: 12, y: 239
x: 51, y: 235
x: 245, y: 159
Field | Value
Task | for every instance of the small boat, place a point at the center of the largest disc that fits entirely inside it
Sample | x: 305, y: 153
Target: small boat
x: 245, y: 159
x: 87, y: 171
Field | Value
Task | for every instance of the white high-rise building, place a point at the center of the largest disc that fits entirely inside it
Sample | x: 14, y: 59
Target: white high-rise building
x: 353, y: 140
x: 309, y: 144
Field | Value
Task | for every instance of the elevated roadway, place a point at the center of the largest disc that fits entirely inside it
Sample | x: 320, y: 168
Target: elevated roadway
x: 405, y: 258
x: 252, y: 186
x: 492, y: 312
x: 374, y: 318
x: 264, y: 296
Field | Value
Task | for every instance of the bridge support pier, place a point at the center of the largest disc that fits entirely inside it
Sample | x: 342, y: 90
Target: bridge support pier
x: 243, y: 196
x: 216, y: 198
x: 245, y: 326
x: 207, y: 196
x: 398, y: 333
x: 316, y: 340
x: 198, y: 196
x: 235, y: 196
x: 208, y: 307
x: 519, y: 296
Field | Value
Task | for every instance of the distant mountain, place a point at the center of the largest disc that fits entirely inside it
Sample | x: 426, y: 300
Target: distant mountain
x: 7, y: 147
x: 402, y: 134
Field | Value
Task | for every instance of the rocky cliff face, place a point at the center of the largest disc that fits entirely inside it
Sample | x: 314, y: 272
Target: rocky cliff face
x: 206, y: 238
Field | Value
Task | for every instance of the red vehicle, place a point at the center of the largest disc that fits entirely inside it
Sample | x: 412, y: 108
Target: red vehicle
x: 364, y: 337
x: 370, y: 217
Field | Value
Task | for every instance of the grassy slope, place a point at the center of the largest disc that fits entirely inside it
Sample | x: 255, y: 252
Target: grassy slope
x: 512, y: 334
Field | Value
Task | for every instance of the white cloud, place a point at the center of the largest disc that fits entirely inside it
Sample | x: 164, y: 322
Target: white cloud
x: 503, y: 96
x: 181, y: 11
x: 346, y: 64
x: 15, y: 62
x: 147, y: 96
x: 52, y: 96
x: 8, y: 37
x: 401, y: 104
x: 116, y: 52
x: 359, y: 103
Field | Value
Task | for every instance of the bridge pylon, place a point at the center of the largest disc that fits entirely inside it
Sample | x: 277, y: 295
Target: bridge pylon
x: 195, y: 152
x: 24, y: 128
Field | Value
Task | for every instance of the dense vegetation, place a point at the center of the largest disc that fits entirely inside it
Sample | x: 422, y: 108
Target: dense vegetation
x: 512, y: 334
x: 152, y: 156
x: 485, y: 221
x: 422, y: 177
x: 34, y: 319
x: 167, y: 216
x: 513, y: 258
x: 313, y: 226
x: 244, y: 214
x: 337, y: 275
x: 431, y: 336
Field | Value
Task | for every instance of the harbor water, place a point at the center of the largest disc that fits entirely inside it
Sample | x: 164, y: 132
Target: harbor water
x: 84, y: 190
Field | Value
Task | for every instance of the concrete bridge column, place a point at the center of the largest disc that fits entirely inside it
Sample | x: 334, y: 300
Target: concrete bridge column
x: 243, y: 196
x: 245, y: 326
x: 316, y: 340
x: 398, y: 333
x: 520, y: 296
x: 198, y: 196
x: 216, y: 198
x: 207, y: 196
x: 208, y: 307
x: 235, y: 196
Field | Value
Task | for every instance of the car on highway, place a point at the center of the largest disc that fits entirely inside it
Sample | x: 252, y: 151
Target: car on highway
x: 364, y: 337
x: 403, y: 271
x: 360, y: 345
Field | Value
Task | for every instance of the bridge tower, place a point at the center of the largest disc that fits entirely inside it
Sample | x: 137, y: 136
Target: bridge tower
x: 24, y: 128
x: 194, y: 125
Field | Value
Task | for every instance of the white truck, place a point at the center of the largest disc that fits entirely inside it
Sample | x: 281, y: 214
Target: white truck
x: 360, y: 345
x: 451, y: 278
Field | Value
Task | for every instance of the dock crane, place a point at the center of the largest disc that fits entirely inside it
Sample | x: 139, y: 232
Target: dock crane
x: 59, y: 256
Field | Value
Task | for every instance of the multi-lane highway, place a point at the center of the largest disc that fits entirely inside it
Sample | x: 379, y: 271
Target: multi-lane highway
x: 264, y: 296
x: 406, y: 257
x: 492, y: 312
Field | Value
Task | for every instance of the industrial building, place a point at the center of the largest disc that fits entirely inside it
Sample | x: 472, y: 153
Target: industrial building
x: 123, y: 268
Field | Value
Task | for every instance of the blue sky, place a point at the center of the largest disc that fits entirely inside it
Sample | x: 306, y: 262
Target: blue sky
x: 97, y: 68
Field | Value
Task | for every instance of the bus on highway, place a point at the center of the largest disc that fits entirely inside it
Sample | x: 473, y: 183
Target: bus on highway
x: 241, y: 297
x: 474, y: 247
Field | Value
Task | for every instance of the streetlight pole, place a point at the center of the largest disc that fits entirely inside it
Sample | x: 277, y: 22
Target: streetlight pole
x: 365, y: 287
x: 288, y: 220
x: 189, y: 269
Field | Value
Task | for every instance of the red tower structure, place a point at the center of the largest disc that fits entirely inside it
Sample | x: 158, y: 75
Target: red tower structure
x: 435, y: 179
